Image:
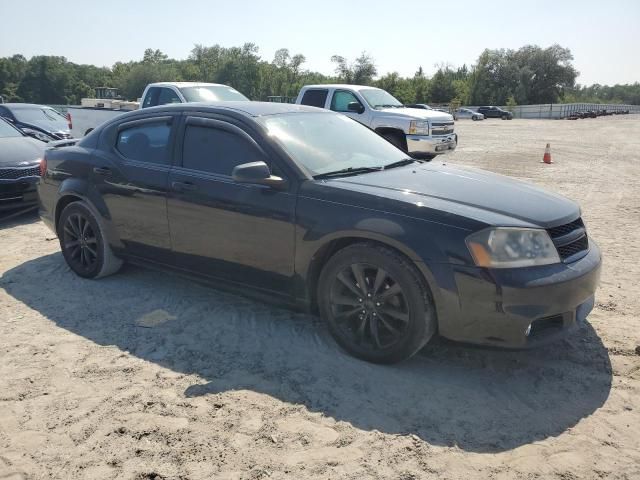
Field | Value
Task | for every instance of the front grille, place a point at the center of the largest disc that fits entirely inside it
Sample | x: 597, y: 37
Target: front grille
x: 441, y: 128
x: 16, y: 173
x: 570, y: 238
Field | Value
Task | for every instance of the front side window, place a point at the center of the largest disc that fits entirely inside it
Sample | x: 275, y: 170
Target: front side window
x: 151, y: 99
x: 214, y: 150
x: 341, y: 100
x: 167, y: 96
x: 314, y: 98
x: 148, y: 142
x: 325, y: 142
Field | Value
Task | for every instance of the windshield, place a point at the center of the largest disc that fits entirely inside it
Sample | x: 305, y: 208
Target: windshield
x: 212, y: 93
x: 380, y: 99
x: 43, y: 117
x: 326, y: 142
x: 7, y: 131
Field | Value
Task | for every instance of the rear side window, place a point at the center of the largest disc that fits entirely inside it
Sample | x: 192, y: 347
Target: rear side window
x: 148, y: 142
x: 314, y: 98
x: 215, y: 150
x: 341, y: 100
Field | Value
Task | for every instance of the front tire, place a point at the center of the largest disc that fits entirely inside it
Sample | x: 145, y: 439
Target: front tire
x: 376, y: 304
x: 84, y: 247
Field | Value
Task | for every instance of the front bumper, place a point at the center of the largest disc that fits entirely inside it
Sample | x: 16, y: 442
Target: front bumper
x: 523, y: 307
x: 430, y: 145
x: 17, y: 196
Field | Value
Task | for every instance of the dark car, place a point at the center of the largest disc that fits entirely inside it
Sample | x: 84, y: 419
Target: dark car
x: 37, y: 121
x: 308, y: 207
x: 495, y: 112
x: 20, y: 163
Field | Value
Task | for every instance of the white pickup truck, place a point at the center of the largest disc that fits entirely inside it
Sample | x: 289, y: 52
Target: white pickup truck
x: 94, y: 111
x: 420, y: 133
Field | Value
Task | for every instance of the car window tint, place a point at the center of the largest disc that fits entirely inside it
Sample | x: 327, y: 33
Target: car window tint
x: 145, y: 143
x: 314, y: 98
x: 341, y: 100
x: 215, y: 150
x: 168, y: 96
x: 151, y: 98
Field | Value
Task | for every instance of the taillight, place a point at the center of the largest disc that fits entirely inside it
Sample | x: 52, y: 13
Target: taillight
x: 43, y: 167
x: 69, y: 120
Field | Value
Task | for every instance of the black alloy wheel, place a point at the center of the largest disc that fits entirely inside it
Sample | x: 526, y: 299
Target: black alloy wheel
x: 369, y: 306
x: 80, y: 242
x: 376, y: 304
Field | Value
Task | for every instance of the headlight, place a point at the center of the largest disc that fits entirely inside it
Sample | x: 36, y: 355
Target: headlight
x: 418, y: 127
x: 505, y: 247
x: 37, y: 135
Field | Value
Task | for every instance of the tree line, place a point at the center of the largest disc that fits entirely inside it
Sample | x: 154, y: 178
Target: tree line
x: 528, y: 75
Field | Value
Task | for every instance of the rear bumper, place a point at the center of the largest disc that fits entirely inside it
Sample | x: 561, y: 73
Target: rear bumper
x: 427, y: 145
x: 520, y: 308
x: 17, y: 196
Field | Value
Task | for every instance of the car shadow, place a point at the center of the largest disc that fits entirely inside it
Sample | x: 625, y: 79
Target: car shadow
x: 14, y: 218
x: 479, y: 400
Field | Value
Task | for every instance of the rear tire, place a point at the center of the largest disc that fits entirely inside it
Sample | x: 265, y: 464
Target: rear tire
x: 83, y: 245
x: 375, y: 303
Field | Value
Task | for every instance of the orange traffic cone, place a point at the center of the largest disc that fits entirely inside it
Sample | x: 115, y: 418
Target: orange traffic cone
x: 547, y: 155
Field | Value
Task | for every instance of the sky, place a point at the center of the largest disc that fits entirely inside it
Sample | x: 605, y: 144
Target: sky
x: 604, y: 36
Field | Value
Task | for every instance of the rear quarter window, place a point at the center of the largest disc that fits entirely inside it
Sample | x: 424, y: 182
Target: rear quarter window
x: 314, y: 98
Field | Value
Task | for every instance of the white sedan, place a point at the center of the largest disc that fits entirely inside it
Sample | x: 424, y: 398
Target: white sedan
x: 468, y: 113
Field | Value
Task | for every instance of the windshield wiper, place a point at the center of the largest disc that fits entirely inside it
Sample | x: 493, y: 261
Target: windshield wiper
x: 400, y: 163
x: 347, y: 171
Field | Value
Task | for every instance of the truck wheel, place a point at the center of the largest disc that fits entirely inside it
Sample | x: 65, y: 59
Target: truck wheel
x: 397, y: 139
x: 376, y: 305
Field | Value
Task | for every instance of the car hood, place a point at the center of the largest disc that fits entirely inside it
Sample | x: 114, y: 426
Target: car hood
x: 20, y: 151
x: 418, y: 113
x: 483, y: 196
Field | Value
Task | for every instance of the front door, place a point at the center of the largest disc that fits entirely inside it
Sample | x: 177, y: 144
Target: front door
x: 240, y: 233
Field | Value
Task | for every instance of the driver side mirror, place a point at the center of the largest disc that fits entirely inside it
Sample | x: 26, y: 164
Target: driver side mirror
x: 257, y: 173
x: 355, y: 107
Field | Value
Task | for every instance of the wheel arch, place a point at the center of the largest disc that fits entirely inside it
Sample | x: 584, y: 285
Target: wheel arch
x: 382, y: 131
x: 333, y: 245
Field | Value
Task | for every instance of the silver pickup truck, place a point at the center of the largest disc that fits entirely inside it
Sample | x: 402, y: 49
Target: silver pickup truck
x: 420, y: 133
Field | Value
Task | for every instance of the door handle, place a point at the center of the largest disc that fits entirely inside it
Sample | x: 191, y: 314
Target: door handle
x: 102, y: 171
x: 183, y: 186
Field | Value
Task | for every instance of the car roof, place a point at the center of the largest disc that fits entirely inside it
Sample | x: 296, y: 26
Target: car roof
x: 24, y: 106
x: 252, y: 109
x: 343, y: 85
x: 187, y: 84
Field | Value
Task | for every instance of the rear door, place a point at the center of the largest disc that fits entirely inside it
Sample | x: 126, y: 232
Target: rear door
x: 240, y: 233
x: 131, y: 173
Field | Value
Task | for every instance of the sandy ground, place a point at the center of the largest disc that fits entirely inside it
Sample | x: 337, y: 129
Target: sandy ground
x: 145, y: 375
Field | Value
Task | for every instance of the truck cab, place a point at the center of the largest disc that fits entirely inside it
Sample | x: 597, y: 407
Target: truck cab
x: 163, y: 93
x: 419, y: 132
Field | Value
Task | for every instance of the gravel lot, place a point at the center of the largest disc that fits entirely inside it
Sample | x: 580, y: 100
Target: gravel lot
x: 146, y: 375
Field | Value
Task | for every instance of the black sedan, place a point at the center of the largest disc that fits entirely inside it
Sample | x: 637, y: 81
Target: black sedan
x: 308, y: 207
x: 20, y: 162
x: 37, y: 121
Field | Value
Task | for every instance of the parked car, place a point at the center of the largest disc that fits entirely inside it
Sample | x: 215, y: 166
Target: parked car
x: 108, y: 105
x: 468, y: 113
x: 495, y: 112
x: 422, y: 106
x: 37, y: 121
x: 421, y: 133
x: 20, y: 169
x: 307, y: 207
